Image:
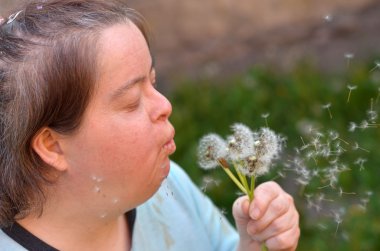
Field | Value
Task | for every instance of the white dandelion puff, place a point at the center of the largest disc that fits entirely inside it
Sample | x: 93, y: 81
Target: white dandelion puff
x: 211, y: 149
x: 267, y: 147
x: 241, y: 144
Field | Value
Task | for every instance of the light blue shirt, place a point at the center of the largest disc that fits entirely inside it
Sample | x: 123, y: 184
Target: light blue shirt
x: 179, y: 217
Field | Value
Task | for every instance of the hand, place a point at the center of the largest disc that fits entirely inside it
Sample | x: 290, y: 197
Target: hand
x: 270, y: 219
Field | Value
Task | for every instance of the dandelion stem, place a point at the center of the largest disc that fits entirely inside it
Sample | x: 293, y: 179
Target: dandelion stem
x: 252, y: 188
x: 243, y: 180
x: 264, y: 248
x: 235, y: 180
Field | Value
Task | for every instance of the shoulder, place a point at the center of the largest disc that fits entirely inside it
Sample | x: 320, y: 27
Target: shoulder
x: 7, y: 243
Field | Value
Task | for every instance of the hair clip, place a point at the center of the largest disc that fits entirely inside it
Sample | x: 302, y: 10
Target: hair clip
x: 12, y: 17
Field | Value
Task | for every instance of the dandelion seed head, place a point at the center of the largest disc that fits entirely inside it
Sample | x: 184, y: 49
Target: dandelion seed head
x: 241, y: 143
x: 270, y: 145
x: 211, y: 148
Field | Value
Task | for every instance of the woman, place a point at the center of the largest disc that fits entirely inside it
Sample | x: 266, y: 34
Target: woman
x: 85, y: 144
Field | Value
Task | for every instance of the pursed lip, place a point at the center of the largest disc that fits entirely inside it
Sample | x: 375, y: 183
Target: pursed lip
x: 170, y: 146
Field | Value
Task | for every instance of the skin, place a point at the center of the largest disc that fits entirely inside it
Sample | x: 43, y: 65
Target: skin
x: 270, y: 219
x: 119, y: 157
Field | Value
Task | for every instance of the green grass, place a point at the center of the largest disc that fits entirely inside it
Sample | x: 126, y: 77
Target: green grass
x: 293, y: 100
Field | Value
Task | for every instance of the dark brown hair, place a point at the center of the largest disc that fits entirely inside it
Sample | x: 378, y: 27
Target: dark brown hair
x: 48, y: 53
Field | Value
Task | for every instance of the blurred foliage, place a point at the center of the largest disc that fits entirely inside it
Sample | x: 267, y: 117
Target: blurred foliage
x: 292, y: 100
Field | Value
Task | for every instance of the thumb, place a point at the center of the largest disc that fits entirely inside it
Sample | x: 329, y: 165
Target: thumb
x: 240, y: 212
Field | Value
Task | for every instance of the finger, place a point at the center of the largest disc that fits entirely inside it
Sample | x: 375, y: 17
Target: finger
x: 264, y: 194
x: 281, y: 205
x: 286, y: 241
x: 240, y: 213
x: 277, y: 227
x: 240, y: 208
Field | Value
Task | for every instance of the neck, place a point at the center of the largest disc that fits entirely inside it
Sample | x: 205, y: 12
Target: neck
x: 79, y: 225
x: 69, y: 234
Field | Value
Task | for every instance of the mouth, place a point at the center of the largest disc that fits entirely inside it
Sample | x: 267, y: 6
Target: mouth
x: 170, y: 146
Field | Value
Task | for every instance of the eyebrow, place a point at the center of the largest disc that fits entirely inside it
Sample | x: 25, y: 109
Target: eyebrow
x: 129, y: 84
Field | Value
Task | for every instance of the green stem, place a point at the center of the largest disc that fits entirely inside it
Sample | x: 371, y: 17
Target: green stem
x: 235, y: 180
x: 252, y: 189
x: 242, y: 178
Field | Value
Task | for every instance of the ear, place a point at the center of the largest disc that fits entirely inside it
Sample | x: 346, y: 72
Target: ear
x: 46, y: 144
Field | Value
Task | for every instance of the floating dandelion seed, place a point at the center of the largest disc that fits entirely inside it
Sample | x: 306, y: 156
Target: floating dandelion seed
x: 327, y: 107
x: 328, y: 18
x: 350, y: 88
x: 338, y: 218
x: 348, y: 57
x: 352, y: 126
x: 341, y: 192
x: 360, y: 162
x: 378, y: 95
x: 265, y: 116
x: 377, y: 66
x: 12, y: 17
x: 356, y: 147
x: 208, y: 182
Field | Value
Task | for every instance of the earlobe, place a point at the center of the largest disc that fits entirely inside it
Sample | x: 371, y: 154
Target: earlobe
x: 46, y: 144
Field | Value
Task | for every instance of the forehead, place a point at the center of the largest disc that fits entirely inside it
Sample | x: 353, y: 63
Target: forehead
x: 122, y: 42
x: 123, y: 53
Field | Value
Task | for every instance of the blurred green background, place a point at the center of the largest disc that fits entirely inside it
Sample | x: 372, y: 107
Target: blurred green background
x: 348, y: 217
x: 226, y: 61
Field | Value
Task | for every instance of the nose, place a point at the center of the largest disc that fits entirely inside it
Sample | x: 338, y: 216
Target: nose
x: 161, y: 108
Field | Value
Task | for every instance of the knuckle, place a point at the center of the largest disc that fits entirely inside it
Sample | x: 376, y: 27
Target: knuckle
x: 281, y: 241
x: 276, y: 227
x: 280, y: 207
x: 289, y: 199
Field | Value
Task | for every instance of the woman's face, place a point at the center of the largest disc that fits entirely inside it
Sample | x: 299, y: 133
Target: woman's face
x: 120, y: 153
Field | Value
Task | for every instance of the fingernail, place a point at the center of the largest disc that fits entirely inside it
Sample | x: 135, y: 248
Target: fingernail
x: 255, y: 213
